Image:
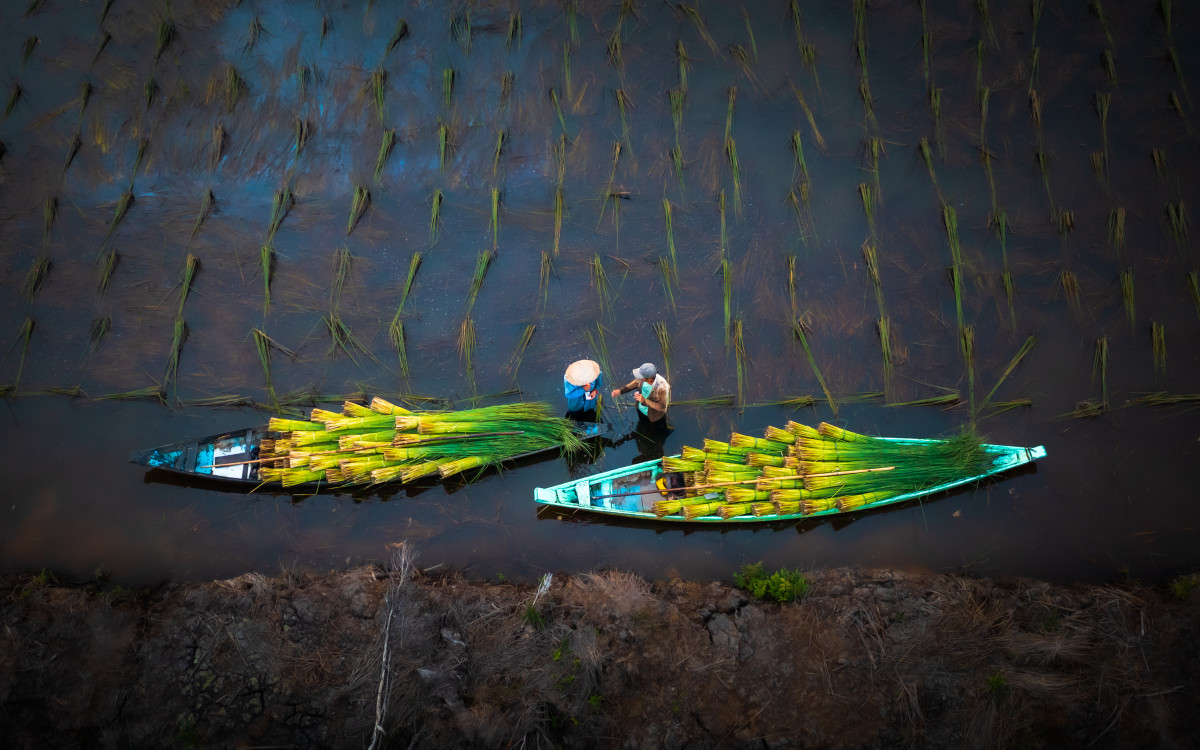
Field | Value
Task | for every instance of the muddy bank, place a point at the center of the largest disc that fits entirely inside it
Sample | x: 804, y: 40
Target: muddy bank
x: 865, y: 659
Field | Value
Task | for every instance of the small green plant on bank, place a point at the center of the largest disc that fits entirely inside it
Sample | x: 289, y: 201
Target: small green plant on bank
x: 783, y: 585
x: 534, y: 617
x: 996, y: 684
x: 1182, y: 586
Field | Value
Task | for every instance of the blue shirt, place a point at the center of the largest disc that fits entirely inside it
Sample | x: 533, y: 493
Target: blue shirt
x: 577, y: 398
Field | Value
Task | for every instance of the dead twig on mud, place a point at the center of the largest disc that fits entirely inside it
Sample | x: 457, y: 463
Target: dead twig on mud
x: 402, y: 567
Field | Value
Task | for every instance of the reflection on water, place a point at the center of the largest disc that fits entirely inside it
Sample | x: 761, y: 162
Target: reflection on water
x: 918, y: 247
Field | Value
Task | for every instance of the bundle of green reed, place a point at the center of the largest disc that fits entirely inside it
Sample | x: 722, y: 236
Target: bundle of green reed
x: 385, y: 442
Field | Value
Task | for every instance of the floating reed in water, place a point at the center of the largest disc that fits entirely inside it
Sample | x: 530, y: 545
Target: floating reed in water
x: 377, y: 87
x: 445, y: 144
x: 1062, y: 220
x: 149, y: 92
x: 1116, y: 229
x: 1012, y: 365
x: 398, y: 34
x: 255, y: 31
x: 559, y: 209
x: 884, y: 327
x: 35, y: 277
x: 97, y: 330
x: 545, y: 271
x: 358, y: 207
x: 27, y: 50
x: 1179, y: 224
x: 235, y: 87
x: 738, y: 338
x: 481, y: 268
x: 670, y: 238
x: 494, y: 227
x: 399, y: 342
x: 966, y: 338
x: 1193, y: 287
x: 166, y: 34
x: 262, y: 344
x: 280, y: 205
x: 1070, y: 287
x: 514, y: 362
x: 798, y: 151
x: 207, y: 202
x: 1162, y: 398
x: 466, y: 347
x: 664, y: 344
x: 726, y: 294
x: 461, y: 31
x: 735, y: 169
x: 685, y: 64
x: 386, y: 145
x: 624, y: 104
x: 948, y: 400
x: 1127, y: 299
x: 216, y: 145
x: 15, y: 94
x: 108, y: 264
x: 105, y: 38
x: 693, y: 15
x: 23, y: 336
x: 447, y: 85
x: 950, y: 223
x: 1158, y: 342
x: 516, y: 29
x: 301, y: 138
x: 675, y: 98
x: 1100, y: 367
x: 615, y: 56
x: 266, y: 264
x: 601, y: 284
x: 149, y: 393
x: 123, y: 205
x: 49, y: 214
x: 666, y: 275
x: 677, y: 166
x: 935, y: 106
x: 798, y: 332
x: 1160, y: 160
x: 500, y: 137
x: 304, y: 77
x: 567, y: 50
x: 558, y: 110
x: 435, y: 215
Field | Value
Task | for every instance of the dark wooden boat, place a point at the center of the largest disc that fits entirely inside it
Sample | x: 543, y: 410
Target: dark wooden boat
x: 232, y: 457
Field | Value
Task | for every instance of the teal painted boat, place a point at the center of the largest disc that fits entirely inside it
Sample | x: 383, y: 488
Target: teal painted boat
x: 791, y: 474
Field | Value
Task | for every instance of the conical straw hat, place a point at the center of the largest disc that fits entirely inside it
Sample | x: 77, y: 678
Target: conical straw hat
x: 582, y: 372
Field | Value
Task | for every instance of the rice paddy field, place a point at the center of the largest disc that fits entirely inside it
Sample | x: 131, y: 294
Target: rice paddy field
x: 898, y: 217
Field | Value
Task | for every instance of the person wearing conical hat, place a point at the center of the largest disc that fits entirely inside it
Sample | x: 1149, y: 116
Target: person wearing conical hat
x: 581, y: 387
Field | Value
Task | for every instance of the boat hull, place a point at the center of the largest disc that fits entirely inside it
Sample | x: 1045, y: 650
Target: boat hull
x: 630, y: 491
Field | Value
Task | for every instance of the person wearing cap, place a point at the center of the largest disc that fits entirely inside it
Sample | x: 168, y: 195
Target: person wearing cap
x: 652, y: 393
x: 581, y: 387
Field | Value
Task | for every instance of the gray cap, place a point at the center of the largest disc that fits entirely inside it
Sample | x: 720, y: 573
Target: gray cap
x: 645, y: 372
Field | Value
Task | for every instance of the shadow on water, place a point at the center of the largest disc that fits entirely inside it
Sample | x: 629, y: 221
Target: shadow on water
x: 657, y: 197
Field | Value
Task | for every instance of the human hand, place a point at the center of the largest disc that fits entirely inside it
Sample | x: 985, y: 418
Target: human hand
x: 638, y: 397
x: 616, y: 392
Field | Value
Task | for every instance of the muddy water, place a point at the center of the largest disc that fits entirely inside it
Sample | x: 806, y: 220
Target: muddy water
x: 1114, y: 496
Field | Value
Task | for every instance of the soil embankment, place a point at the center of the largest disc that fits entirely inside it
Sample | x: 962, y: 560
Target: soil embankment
x: 866, y: 659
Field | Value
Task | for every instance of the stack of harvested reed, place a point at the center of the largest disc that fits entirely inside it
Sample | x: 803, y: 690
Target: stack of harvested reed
x: 799, y: 470
x: 384, y: 442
